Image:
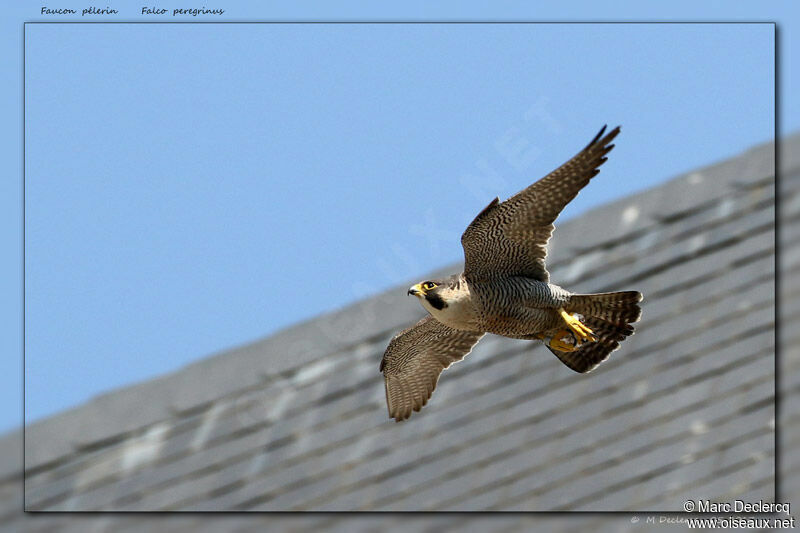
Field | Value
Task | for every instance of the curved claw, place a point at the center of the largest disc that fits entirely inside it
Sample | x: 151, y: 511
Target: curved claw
x: 582, y: 331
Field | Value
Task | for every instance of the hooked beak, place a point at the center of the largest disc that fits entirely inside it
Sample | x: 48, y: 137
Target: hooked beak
x: 416, y: 290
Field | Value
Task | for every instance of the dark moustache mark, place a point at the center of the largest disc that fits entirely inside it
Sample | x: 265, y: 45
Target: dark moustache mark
x: 436, y: 301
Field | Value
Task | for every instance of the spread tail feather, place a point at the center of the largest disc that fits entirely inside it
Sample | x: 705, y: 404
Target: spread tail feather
x: 614, y: 307
x: 610, y: 316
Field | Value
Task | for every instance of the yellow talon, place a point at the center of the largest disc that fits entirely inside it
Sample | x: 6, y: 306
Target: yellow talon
x: 557, y: 341
x: 581, y: 331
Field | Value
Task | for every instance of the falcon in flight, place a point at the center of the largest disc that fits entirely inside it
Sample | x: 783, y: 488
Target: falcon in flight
x: 505, y: 289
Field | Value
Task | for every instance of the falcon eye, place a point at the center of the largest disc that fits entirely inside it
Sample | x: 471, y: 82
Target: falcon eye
x: 428, y: 285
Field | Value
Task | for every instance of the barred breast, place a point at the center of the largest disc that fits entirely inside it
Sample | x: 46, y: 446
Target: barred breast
x: 518, y: 306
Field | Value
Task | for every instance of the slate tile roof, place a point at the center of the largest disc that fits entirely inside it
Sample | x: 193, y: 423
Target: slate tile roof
x: 685, y: 409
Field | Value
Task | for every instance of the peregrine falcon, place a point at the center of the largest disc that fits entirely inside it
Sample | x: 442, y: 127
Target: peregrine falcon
x: 505, y: 289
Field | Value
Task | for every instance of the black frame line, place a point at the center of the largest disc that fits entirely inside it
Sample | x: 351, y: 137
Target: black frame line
x: 777, y: 168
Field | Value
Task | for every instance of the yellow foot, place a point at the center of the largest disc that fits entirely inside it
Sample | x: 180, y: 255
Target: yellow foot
x: 563, y: 341
x: 581, y: 331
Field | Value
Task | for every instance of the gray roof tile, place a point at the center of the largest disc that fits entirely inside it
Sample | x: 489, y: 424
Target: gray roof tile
x: 684, y: 406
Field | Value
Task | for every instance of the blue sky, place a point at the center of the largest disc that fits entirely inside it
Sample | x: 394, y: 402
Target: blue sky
x: 194, y: 187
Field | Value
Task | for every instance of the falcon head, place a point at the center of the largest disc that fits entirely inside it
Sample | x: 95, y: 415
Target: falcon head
x: 431, y: 292
x: 438, y: 294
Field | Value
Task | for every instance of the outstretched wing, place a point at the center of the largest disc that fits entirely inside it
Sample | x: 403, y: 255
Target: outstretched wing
x: 510, y: 238
x: 414, y: 359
